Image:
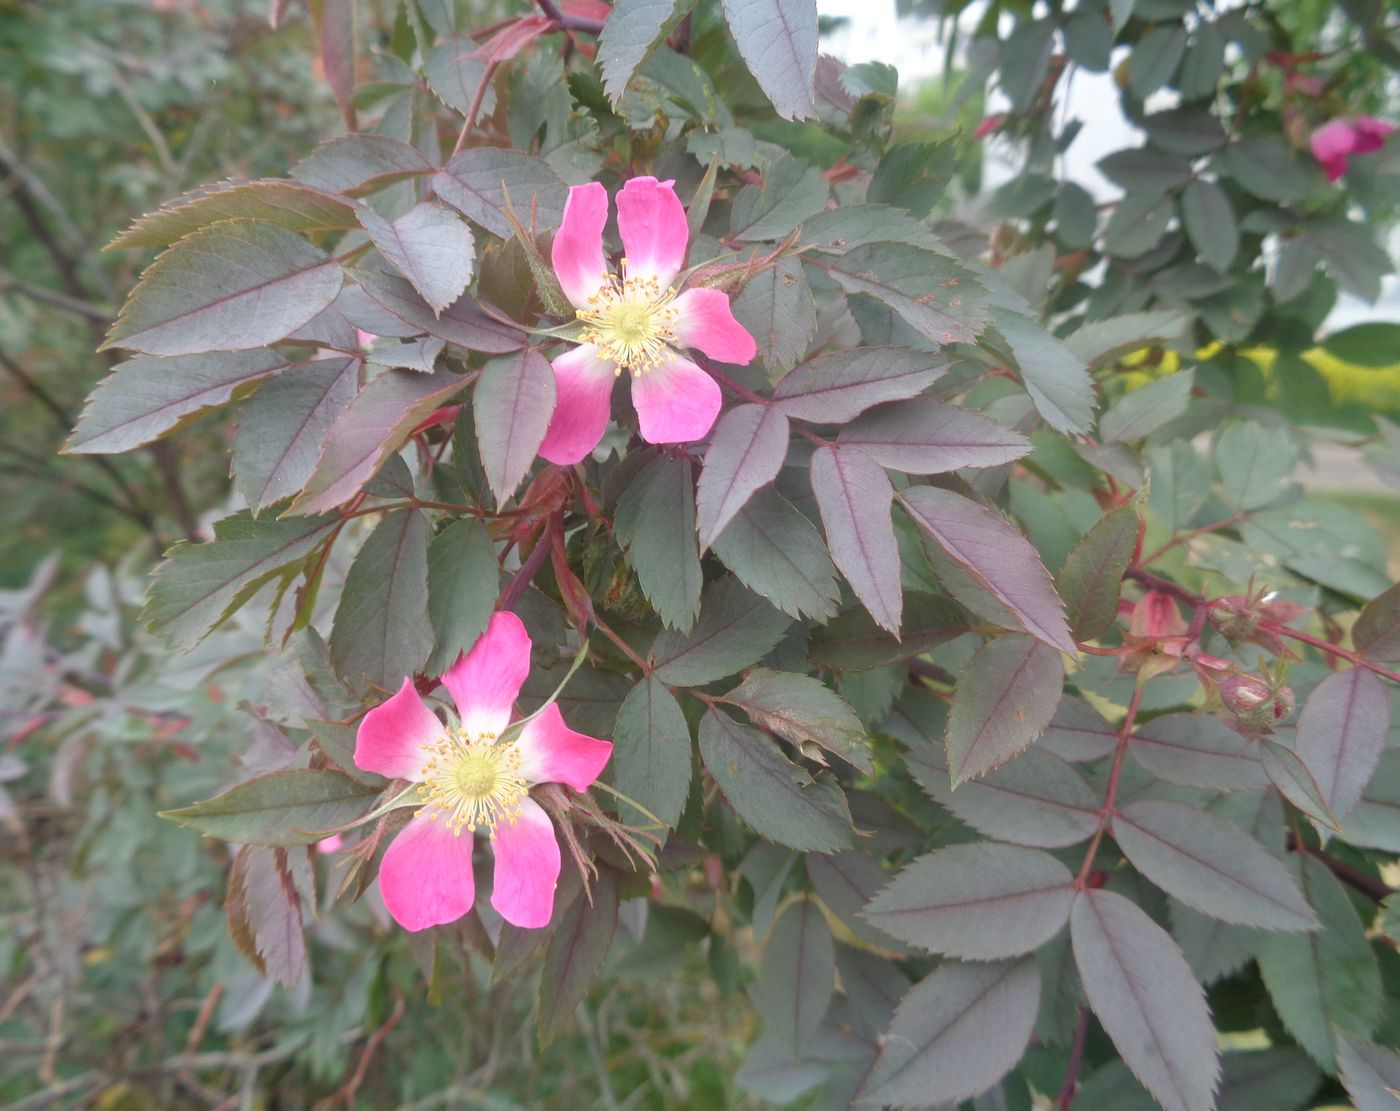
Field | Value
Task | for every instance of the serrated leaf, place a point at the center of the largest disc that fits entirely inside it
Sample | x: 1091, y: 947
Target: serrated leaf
x: 1147, y: 999
x: 281, y: 808
x: 736, y: 628
x: 791, y: 192
x: 747, y: 449
x: 631, y: 32
x: 237, y: 285
x: 455, y: 70
x: 775, y: 797
x: 1102, y: 341
x: 463, y: 582
x: 853, y: 642
x: 1342, y: 731
x: 778, y: 42
x: 873, y: 986
x: 1370, y: 1072
x: 1373, y: 821
x: 1079, y: 733
x: 777, y: 309
x: 989, y: 549
x: 912, y: 176
x: 836, y: 388
x: 371, y: 428
x: 1376, y: 634
x: 1295, y: 782
x: 513, y: 403
x: 1137, y: 415
x: 651, y: 761
x: 1091, y: 578
x: 199, y: 585
x: 1055, y: 377
x: 381, y: 632
x: 924, y: 436
x: 804, y: 711
x: 1004, y: 699
x: 980, y: 901
x: 292, y: 205
x: 146, y: 398
x: 956, y: 1033
x: 358, y: 164
x: 1197, y: 750
x: 778, y: 554
x: 477, y: 182
x: 935, y: 295
x: 1210, y: 865
x: 264, y: 914
x: 655, y: 524
x: 796, y: 975
x: 1254, y: 463
x: 429, y: 245
x: 854, y: 495
x: 576, y: 953
x: 845, y: 882
x: 1324, y: 982
x: 1213, y: 948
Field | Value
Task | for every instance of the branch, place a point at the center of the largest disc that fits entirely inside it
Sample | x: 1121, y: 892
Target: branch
x: 570, y: 22
x: 58, y: 300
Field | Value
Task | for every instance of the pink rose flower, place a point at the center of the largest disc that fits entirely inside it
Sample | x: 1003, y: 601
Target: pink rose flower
x: 635, y: 322
x: 470, y: 780
x: 1334, y: 143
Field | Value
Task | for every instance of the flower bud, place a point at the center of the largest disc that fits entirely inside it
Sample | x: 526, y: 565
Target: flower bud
x: 1254, y: 702
x: 1234, y: 617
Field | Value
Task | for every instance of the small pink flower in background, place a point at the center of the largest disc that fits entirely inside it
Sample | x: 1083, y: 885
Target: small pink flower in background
x: 635, y: 322
x: 470, y: 780
x: 332, y: 844
x: 1334, y: 143
x: 988, y: 125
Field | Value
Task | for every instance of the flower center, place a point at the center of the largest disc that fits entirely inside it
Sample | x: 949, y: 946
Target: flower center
x: 472, y: 781
x: 631, y: 321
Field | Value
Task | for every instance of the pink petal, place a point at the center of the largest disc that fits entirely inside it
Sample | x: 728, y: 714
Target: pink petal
x: 527, y: 867
x: 332, y: 844
x: 676, y: 402
x: 578, y: 244
x: 551, y: 752
x: 391, y: 737
x: 426, y: 875
x: 583, y: 385
x: 1370, y: 134
x: 705, y: 321
x: 654, y: 232
x: 486, y: 681
x: 1331, y: 144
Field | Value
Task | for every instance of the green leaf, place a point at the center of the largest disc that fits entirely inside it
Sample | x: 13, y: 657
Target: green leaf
x: 1376, y: 634
x: 979, y: 901
x: 1137, y: 224
x: 935, y: 295
x: 1055, y: 377
x: 777, y: 309
x: 1265, y: 166
x: 429, y: 245
x: 145, y: 398
x: 576, y: 954
x: 464, y: 322
x: 1147, y: 999
x: 873, y: 986
x: 234, y: 286
x: 1295, y: 782
x: 1197, y: 750
x: 199, y: 585
x: 1075, y: 214
x: 655, y: 524
x: 1210, y: 223
x: 840, y: 229
x: 1203, y: 63
x: 513, y: 403
x: 791, y: 192
x: 477, y: 182
x: 736, y: 628
x: 1180, y: 483
x: 455, y: 71
x: 1185, y: 130
x: 924, y: 436
x: 775, y: 797
x: 747, y: 449
x: 1325, y: 982
x: 804, y: 711
x: 373, y: 427
x: 281, y: 808
x: 1138, y: 414
x: 1370, y: 1072
x: 381, y: 632
x: 854, y: 494
x: 632, y: 31
x: 1155, y: 58
x: 796, y: 975
x: 1276, y: 1079
x: 1341, y: 734
x: 295, y: 207
x: 845, y: 882
x: 1091, y: 579
x: 853, y: 642
x: 1144, y: 170
x: 996, y: 556
x: 778, y: 554
x: 1024, y: 61
x: 358, y: 164
x: 1373, y: 344
x: 1255, y: 464
x: 651, y: 761
x: 463, y: 582
x: 912, y: 176
x: 1209, y: 865
x: 778, y: 42
x: 836, y: 388
x: 1103, y: 341
x: 1214, y: 949
x: 956, y: 1033
x: 1004, y: 699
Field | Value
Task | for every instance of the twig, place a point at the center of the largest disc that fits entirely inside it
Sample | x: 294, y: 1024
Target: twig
x: 1076, y: 1062
x: 1372, y: 888
x: 570, y: 22
x: 473, y: 109
x: 1125, y: 731
x: 57, y: 300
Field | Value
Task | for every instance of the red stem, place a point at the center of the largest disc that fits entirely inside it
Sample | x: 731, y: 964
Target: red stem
x: 1106, y: 811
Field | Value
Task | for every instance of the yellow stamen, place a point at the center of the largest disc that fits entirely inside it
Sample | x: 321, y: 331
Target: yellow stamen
x: 632, y: 322
x: 472, y: 782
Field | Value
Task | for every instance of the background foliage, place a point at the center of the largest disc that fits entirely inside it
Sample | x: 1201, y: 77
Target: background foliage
x: 1104, y: 821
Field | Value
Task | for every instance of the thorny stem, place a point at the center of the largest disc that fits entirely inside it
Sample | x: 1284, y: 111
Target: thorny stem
x: 1076, y: 1062
x: 570, y: 22
x: 511, y: 595
x: 473, y: 109
x: 1372, y: 888
x: 621, y: 645
x: 1125, y: 731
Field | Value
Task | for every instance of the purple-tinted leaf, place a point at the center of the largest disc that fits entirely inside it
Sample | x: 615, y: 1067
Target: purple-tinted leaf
x: 360, y: 164
x: 373, y: 427
x: 429, y: 245
x: 778, y: 41
x: 1091, y: 578
x: 633, y: 29
x: 651, y: 761
x: 1197, y: 750
x: 513, y: 401
x: 934, y: 294
x: 854, y: 494
x: 655, y: 524
x: 1078, y: 732
x: 853, y: 642
x: 737, y: 628
x: 979, y: 901
x: 1004, y: 699
x: 464, y: 323
x: 1341, y: 734
x: 779, y: 554
x: 925, y: 436
x: 1295, y: 782
x: 337, y: 33
x: 1001, y: 560
x: 846, y: 882
x: 463, y: 581
x: 293, y: 807
x: 1210, y: 865
x: 873, y: 986
x: 796, y: 975
x: 805, y: 712
x: 747, y: 449
x: 1147, y: 999
x: 455, y: 71
x: 777, y: 309
x: 1376, y: 633
x: 264, y: 914
x: 576, y: 954
x: 234, y: 286
x: 956, y: 1034
x: 1370, y: 1072
x: 477, y: 182
x: 834, y: 388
